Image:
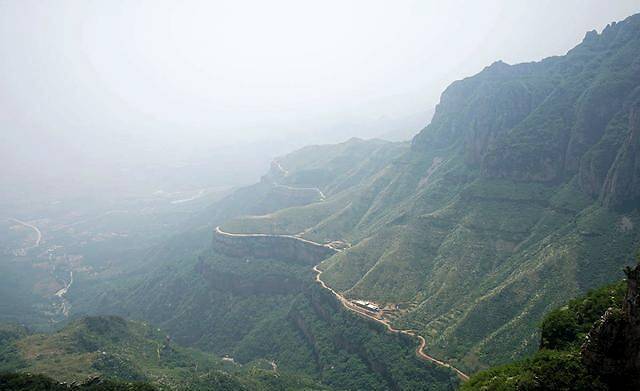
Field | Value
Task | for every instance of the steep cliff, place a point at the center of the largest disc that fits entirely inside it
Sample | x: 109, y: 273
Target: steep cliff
x: 521, y: 194
x: 612, y: 349
x: 586, y: 344
x: 622, y: 183
x: 550, y: 120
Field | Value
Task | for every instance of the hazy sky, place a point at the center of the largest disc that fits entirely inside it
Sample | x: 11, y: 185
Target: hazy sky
x: 186, y: 75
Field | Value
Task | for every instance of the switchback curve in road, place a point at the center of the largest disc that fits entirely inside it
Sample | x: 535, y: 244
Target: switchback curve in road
x: 284, y: 172
x: 420, y: 350
x: 33, y: 227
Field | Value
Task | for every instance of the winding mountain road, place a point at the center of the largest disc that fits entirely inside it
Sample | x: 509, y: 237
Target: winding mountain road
x: 63, y: 291
x: 229, y: 234
x: 66, y: 306
x: 33, y: 227
x: 282, y: 169
x: 420, y: 350
x: 317, y: 190
x: 284, y: 172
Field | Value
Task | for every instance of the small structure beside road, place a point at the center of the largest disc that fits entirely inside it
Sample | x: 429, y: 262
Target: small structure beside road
x: 367, y: 305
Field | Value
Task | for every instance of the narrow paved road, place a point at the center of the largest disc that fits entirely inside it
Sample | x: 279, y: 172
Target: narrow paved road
x: 64, y: 290
x: 33, y: 227
x: 66, y: 306
x: 224, y: 233
x: 199, y: 194
x: 285, y: 173
x: 282, y: 170
x: 420, y: 351
x: 317, y: 190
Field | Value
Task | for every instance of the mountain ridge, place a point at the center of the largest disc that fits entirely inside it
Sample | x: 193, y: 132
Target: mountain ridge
x: 516, y: 158
x: 521, y: 194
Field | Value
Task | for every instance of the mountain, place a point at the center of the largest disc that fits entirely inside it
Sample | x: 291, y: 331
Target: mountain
x: 31, y: 382
x: 257, y: 303
x: 95, y: 350
x: 591, y: 343
x: 521, y: 194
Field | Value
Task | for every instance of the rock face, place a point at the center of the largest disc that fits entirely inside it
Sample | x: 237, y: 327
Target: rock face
x: 282, y: 247
x: 535, y: 200
x: 612, y: 349
x: 242, y: 286
x: 509, y: 196
x: 549, y: 121
x: 622, y: 184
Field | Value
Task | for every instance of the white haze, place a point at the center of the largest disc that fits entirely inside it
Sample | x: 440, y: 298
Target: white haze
x: 96, y: 90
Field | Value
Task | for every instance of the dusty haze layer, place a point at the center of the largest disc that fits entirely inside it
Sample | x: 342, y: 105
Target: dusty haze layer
x: 95, y: 92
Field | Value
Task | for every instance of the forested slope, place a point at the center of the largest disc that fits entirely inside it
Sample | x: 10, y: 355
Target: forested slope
x: 522, y: 193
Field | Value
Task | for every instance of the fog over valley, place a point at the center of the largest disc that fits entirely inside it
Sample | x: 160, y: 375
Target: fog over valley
x: 337, y: 195
x: 90, y: 89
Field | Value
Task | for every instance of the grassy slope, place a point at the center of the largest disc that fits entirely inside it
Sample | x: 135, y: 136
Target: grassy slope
x: 266, y: 309
x: 496, y: 240
x: 557, y: 365
x: 259, y: 309
x: 495, y: 215
x: 131, y: 351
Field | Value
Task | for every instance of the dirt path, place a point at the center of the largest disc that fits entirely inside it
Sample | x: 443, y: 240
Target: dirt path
x: 307, y: 241
x: 282, y: 170
x: 285, y: 173
x: 420, y: 350
x: 317, y: 190
x: 64, y: 290
x: 199, y: 194
x: 33, y: 227
x: 61, y: 294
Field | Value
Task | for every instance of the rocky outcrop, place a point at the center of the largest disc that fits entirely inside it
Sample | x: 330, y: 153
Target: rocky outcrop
x: 612, y: 349
x: 622, y: 185
x: 550, y: 120
x: 262, y: 246
x: 479, y: 110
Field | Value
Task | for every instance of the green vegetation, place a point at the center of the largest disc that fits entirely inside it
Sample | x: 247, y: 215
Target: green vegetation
x: 350, y: 353
x: 267, y: 310
x: 566, y: 327
x: 29, y: 382
x: 519, y: 196
x: 117, y: 351
x: 546, y: 370
x: 558, y: 364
